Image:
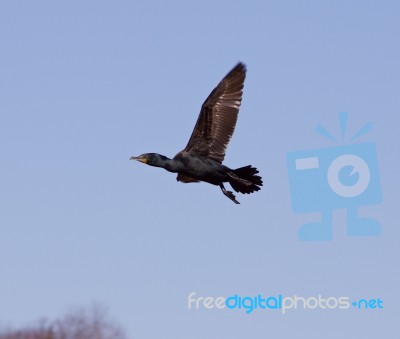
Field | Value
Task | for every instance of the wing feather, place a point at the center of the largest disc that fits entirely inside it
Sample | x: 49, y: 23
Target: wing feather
x: 217, y: 120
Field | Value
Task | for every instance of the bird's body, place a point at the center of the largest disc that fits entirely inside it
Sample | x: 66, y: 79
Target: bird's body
x: 201, y: 160
x: 199, y: 168
x: 193, y: 168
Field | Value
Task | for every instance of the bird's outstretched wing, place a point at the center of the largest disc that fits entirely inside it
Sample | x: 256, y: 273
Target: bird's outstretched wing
x: 218, y: 116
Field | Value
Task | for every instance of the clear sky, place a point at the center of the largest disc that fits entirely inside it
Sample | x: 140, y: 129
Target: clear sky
x: 84, y: 85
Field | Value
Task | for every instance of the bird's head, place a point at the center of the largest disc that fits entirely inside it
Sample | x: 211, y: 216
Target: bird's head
x: 152, y: 159
x: 146, y: 158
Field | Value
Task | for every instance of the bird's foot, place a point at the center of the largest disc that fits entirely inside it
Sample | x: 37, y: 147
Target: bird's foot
x: 229, y: 194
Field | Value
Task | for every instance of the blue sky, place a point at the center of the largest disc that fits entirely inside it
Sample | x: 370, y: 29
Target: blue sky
x: 86, y: 84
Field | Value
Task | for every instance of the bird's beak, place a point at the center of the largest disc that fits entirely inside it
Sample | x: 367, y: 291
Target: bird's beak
x: 140, y: 159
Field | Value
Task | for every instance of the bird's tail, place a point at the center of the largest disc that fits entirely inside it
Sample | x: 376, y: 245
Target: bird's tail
x: 245, y: 180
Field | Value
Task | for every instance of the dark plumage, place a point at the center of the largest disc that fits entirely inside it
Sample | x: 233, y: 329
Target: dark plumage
x: 202, y: 158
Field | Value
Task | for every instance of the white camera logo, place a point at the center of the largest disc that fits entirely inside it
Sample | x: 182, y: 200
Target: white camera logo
x: 358, y: 167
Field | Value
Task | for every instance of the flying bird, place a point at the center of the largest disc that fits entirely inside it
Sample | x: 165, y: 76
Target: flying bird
x: 202, y: 158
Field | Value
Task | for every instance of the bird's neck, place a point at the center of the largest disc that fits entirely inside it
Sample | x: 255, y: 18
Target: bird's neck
x: 167, y: 163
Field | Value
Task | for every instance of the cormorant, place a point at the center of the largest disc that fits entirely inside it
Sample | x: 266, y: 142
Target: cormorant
x: 201, y: 160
